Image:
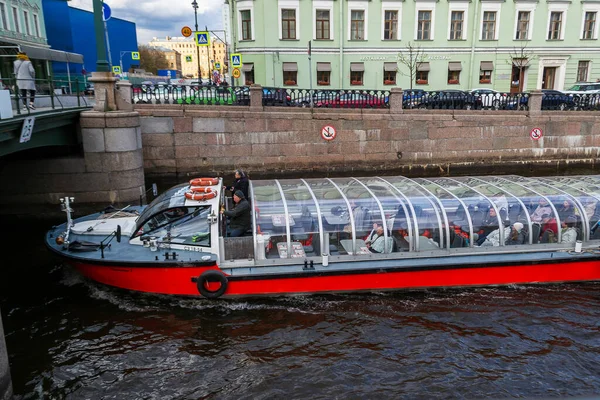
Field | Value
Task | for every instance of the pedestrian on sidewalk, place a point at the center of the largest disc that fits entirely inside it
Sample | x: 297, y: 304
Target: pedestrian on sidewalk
x: 25, y: 74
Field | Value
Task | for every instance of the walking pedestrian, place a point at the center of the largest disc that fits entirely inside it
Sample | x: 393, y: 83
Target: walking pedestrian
x: 25, y: 74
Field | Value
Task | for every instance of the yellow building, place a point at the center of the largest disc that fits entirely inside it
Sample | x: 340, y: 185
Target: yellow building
x: 186, y: 47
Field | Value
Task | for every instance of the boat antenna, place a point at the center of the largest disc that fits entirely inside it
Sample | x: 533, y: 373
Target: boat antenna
x: 116, y: 233
x: 65, y: 205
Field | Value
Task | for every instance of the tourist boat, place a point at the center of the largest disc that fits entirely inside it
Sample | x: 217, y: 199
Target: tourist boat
x: 308, y: 236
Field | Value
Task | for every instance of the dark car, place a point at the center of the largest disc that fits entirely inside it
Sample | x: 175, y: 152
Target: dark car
x: 318, y: 95
x: 551, y: 100
x: 89, y: 89
x: 275, y: 97
x: 411, y: 98
x: 449, y: 99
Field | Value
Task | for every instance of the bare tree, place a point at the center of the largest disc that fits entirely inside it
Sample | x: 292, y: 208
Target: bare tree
x: 520, y: 57
x: 411, y: 57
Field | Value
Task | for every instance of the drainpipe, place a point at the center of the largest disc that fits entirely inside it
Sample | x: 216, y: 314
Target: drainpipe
x: 341, y: 44
x: 473, y: 41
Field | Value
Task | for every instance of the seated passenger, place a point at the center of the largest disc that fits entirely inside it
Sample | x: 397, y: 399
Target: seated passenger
x: 376, y: 241
x: 488, y: 225
x: 239, y: 217
x: 542, y: 208
x: 493, y: 239
x: 516, y: 235
x: 567, y: 209
x: 590, y: 207
x: 569, y: 232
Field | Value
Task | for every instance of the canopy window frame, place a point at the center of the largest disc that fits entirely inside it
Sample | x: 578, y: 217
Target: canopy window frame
x: 411, y: 217
x: 558, y: 222
x: 350, y: 214
x: 468, y: 215
x: 501, y: 189
x: 383, y: 219
x: 319, y: 216
x: 286, y: 212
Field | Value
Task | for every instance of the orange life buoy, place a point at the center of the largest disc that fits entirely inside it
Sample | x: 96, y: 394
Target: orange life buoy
x: 200, y: 196
x: 204, y: 182
x: 201, y: 189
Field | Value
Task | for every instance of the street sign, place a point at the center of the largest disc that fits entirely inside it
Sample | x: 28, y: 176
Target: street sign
x: 186, y: 31
x: 202, y: 38
x: 116, y: 69
x: 135, y: 55
x: 328, y: 132
x: 106, y: 12
x: 218, y: 65
x: 188, y: 58
x: 236, y: 60
x: 236, y: 73
x: 27, y: 129
x: 536, y: 133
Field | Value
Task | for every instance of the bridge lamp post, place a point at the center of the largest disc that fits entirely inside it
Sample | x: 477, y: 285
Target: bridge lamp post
x: 102, y: 63
x: 195, y: 6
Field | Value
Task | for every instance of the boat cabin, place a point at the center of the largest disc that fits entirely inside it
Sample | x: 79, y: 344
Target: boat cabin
x: 304, y: 218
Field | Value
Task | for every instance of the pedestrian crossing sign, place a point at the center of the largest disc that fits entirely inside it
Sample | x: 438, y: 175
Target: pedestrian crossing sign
x: 135, y: 55
x: 188, y: 58
x: 116, y: 69
x: 218, y: 65
x: 236, y: 60
x: 202, y: 38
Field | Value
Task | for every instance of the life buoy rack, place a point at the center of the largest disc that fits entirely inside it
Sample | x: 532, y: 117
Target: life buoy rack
x: 200, y: 194
x: 208, y: 279
x: 204, y: 182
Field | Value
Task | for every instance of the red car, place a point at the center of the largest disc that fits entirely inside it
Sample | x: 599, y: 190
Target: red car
x: 353, y: 100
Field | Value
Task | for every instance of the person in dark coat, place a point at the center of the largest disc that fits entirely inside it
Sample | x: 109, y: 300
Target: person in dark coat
x: 241, y: 183
x: 239, y: 217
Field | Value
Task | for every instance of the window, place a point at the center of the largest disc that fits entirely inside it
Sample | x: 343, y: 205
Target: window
x: 357, y: 25
x: 249, y: 77
x: 454, y: 69
x: 555, y: 25
x: 246, y: 24
x: 489, y: 25
x: 589, y: 25
x: 457, y: 19
x: 357, y: 71
x: 3, y: 18
x: 322, y: 25
x: 485, y: 71
x: 390, y: 31
x: 26, y: 18
x: 389, y: 73
x: 323, y: 73
x: 422, y: 77
x: 288, y: 24
x: 583, y: 69
x: 523, y: 25
x: 290, y: 73
x: 16, y: 19
x: 424, y: 25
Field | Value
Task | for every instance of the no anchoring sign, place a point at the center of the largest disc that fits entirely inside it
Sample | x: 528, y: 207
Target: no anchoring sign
x: 536, y: 133
x: 328, y: 132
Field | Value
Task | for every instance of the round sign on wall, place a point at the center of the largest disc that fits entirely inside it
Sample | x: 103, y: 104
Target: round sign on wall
x: 186, y: 31
x: 328, y: 132
x: 536, y: 133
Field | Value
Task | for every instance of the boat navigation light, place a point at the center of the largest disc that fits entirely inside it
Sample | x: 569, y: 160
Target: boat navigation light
x: 212, y: 218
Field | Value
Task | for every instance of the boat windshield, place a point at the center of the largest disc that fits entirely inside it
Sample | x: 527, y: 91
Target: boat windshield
x: 361, y: 216
x: 173, y: 197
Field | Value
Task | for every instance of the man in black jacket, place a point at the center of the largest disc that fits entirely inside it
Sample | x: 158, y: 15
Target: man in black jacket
x: 241, y: 183
x: 239, y: 217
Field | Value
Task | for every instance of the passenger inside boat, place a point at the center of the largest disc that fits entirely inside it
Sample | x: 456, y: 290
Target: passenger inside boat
x: 238, y: 219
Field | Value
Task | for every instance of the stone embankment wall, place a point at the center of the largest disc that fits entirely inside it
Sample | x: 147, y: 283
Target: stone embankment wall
x: 190, y: 141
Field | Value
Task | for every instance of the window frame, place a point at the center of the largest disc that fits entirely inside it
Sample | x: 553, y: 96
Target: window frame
x: 482, y: 76
x: 4, y: 17
x: 289, y: 22
x: 555, y: 26
x: 451, y: 24
x: 289, y: 76
x: 587, y: 70
x: 492, y: 7
x: 320, y: 75
x: 324, y: 5
x: 452, y: 77
x: 589, y: 8
x: 322, y: 21
x: 364, y: 23
x: 247, y: 5
x: 518, y: 24
x: 486, y: 24
x: 16, y: 22
x: 422, y: 76
x: 385, y: 9
x: 420, y: 25
x: 355, y: 74
x: 557, y: 8
x: 389, y: 74
x: 27, y: 24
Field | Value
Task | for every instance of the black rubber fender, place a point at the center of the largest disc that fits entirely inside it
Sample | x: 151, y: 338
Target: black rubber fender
x: 212, y: 275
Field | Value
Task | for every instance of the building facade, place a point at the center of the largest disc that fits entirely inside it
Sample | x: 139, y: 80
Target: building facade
x: 22, y: 26
x: 506, y: 45
x: 210, y: 56
x: 72, y: 30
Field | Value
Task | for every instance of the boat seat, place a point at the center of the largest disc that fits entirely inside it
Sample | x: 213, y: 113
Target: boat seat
x: 536, y: 231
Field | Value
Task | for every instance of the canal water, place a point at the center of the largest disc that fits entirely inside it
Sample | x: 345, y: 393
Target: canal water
x: 70, y: 338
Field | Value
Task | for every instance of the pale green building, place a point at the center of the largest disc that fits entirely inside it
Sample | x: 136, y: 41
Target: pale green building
x: 510, y: 45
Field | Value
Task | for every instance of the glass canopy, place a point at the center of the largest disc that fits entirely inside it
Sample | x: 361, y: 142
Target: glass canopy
x: 298, y: 218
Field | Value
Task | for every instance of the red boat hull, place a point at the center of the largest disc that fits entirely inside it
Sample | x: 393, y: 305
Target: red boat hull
x: 181, y: 281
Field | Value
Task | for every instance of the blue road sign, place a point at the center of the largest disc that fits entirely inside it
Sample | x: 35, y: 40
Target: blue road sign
x: 202, y: 39
x: 106, y: 13
x: 236, y: 60
x: 218, y: 65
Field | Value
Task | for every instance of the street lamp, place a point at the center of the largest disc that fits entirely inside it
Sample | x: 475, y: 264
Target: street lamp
x: 195, y: 5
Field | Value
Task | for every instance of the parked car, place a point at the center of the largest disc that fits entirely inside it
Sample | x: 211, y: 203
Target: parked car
x: 450, y: 99
x: 490, y: 98
x: 584, y: 88
x: 318, y: 95
x: 551, y: 100
x: 275, y: 97
x: 213, y: 95
x: 353, y: 100
x: 89, y: 89
x: 411, y: 97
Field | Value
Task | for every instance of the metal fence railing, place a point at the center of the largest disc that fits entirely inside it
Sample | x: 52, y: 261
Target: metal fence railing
x: 326, y: 98
x: 190, y: 94
x: 49, y: 94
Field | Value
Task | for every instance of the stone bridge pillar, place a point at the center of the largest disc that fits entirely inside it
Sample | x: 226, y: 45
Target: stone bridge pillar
x: 5, y: 381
